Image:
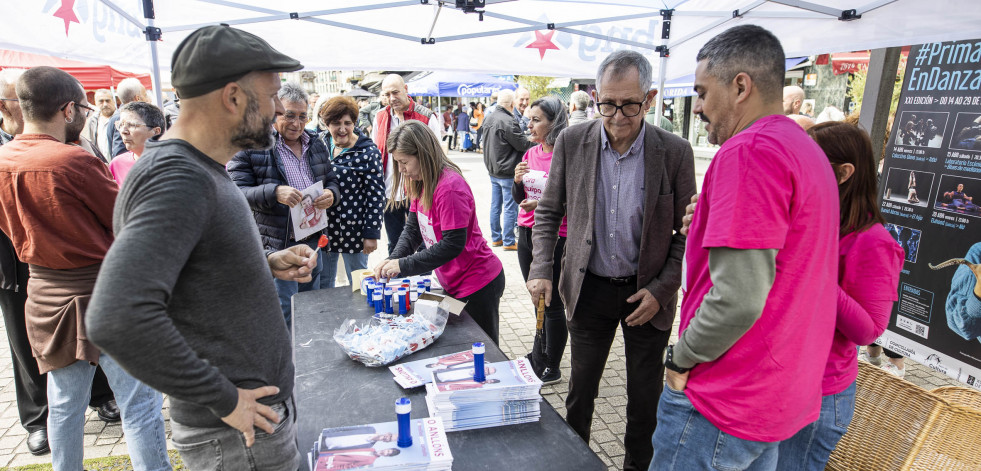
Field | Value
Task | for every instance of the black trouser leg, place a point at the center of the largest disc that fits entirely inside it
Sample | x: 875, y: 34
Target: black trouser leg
x: 101, y: 393
x: 484, y: 306
x: 30, y: 385
x: 394, y: 223
x: 601, y: 307
x: 644, y: 345
x: 556, y: 334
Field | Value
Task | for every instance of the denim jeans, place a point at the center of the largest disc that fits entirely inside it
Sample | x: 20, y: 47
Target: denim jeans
x: 352, y: 261
x: 685, y: 440
x: 223, y: 448
x: 68, y: 395
x: 810, y: 448
x: 501, y: 194
x: 286, y: 289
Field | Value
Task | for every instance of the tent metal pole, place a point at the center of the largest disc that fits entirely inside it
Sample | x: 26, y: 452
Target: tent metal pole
x: 877, y: 96
x: 706, y: 28
x: 662, y: 70
x: 152, y: 36
x: 123, y: 13
x: 810, y: 6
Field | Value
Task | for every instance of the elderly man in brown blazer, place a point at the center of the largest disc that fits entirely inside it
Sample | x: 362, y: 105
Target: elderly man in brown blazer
x: 623, y: 185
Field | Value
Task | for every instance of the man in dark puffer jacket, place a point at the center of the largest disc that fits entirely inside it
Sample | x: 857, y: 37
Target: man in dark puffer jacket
x: 273, y: 179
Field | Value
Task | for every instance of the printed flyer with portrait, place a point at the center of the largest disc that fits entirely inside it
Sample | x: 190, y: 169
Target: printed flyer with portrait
x: 307, y: 219
x: 375, y: 446
x: 930, y: 180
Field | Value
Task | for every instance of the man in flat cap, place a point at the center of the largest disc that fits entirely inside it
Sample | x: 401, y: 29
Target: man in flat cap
x: 184, y: 300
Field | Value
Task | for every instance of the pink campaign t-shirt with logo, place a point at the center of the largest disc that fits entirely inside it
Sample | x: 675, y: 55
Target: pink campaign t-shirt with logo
x: 869, y: 263
x: 534, y: 182
x: 453, y: 208
x: 121, y: 165
x: 768, y: 187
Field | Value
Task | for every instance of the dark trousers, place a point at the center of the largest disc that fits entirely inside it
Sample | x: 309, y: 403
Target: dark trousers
x: 394, y: 223
x: 601, y: 307
x: 556, y: 333
x: 452, y: 138
x: 30, y: 385
x: 484, y: 306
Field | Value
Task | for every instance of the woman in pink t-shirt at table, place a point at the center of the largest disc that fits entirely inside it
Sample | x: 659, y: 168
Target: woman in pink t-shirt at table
x: 869, y: 262
x: 138, y: 121
x: 443, y: 217
x: 547, y: 118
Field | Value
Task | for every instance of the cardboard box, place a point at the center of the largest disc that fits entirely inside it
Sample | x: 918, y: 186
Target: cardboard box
x: 431, y: 303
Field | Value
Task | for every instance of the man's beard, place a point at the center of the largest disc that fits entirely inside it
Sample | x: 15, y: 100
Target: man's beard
x: 73, y: 130
x: 255, y: 131
x: 108, y: 112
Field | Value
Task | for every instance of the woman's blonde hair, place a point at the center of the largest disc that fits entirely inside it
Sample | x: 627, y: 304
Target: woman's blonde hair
x: 416, y: 139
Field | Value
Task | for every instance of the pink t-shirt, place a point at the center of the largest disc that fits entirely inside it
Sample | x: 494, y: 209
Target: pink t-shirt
x: 120, y: 166
x: 453, y: 208
x: 768, y: 187
x: 534, y: 181
x: 868, y: 271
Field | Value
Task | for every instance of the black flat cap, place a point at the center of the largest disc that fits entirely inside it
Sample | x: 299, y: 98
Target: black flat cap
x: 211, y: 57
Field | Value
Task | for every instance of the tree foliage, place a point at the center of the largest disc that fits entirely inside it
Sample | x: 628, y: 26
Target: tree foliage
x: 856, y: 86
x: 536, y: 85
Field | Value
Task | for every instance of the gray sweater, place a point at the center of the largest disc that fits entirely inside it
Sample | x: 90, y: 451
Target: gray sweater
x: 185, y: 300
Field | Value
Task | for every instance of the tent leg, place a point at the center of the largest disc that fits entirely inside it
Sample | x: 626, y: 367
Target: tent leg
x: 152, y: 35
x: 877, y: 96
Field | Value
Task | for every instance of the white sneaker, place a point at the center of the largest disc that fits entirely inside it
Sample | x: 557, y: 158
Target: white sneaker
x: 893, y: 369
x: 877, y: 361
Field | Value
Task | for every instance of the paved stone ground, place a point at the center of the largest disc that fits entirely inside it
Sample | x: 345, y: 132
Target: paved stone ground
x: 517, y: 334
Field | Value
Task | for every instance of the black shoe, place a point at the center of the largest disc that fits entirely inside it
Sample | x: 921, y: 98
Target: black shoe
x: 551, y: 376
x: 37, y: 442
x: 108, y: 412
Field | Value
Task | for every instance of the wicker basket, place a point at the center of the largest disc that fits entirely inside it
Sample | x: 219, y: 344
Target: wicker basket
x: 901, y: 426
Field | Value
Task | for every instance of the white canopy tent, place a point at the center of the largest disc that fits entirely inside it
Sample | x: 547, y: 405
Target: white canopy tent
x: 562, y: 38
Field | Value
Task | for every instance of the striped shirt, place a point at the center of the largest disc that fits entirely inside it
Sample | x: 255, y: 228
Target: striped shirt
x: 619, y: 209
x: 298, y: 172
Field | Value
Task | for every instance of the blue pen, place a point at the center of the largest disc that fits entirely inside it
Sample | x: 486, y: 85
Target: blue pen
x: 478, y: 362
x: 402, y: 409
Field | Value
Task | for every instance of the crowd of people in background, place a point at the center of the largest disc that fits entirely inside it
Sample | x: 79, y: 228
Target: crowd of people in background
x: 161, y: 247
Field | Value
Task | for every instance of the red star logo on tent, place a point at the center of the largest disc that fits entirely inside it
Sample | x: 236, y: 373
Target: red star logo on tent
x: 543, y: 42
x: 67, y: 13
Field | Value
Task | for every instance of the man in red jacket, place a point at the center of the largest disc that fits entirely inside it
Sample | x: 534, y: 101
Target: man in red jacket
x: 400, y: 109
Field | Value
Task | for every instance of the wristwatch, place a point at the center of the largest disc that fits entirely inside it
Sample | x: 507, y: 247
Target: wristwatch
x: 669, y: 361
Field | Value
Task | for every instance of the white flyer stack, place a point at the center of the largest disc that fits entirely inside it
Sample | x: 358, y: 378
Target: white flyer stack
x: 375, y: 446
x: 510, y: 394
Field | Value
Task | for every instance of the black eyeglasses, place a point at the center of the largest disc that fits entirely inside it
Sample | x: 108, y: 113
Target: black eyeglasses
x: 629, y: 110
x: 86, y: 108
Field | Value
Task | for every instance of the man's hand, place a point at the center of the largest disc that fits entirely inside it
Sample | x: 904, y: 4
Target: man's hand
x: 519, y: 171
x: 249, y: 414
x: 539, y: 287
x: 689, y: 215
x: 325, y: 200
x: 369, y: 245
x: 675, y: 380
x: 294, y: 264
x: 645, y: 312
x: 387, y: 269
x: 528, y: 205
x: 288, y: 195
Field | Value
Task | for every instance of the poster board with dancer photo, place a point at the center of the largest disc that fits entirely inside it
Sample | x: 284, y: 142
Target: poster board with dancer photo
x: 307, y: 219
x: 931, y: 174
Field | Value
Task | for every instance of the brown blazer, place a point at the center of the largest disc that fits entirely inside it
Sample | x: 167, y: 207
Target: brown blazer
x: 669, y: 179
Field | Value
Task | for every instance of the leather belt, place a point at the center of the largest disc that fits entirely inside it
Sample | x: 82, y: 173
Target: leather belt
x: 615, y: 280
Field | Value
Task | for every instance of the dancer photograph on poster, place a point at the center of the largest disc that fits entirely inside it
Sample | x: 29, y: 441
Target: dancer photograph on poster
x: 344, y: 438
x: 921, y: 129
x: 908, y: 238
x: 967, y: 132
x: 964, y: 300
x: 956, y: 195
x: 907, y: 186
